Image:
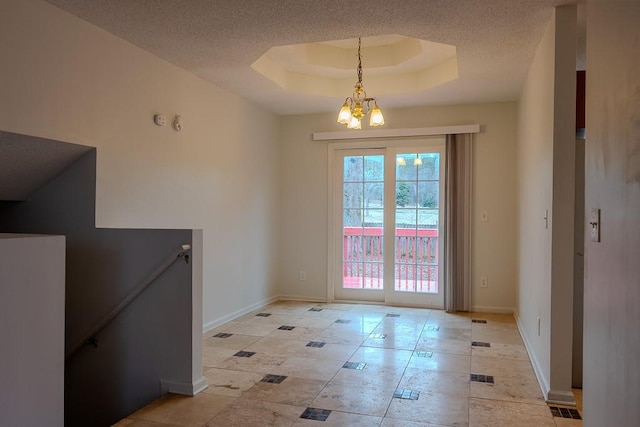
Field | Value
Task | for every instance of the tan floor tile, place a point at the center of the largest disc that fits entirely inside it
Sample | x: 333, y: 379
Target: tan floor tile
x: 304, y: 367
x: 277, y: 347
x: 507, y: 351
x: 495, y: 335
x: 317, y: 322
x: 259, y: 362
x: 419, y: 313
x: 221, y: 328
x: 436, y: 382
x: 494, y: 413
x: 371, y: 308
x: 390, y: 422
x: 292, y: 391
x: 216, y: 357
x: 403, y: 324
x: 243, y: 413
x: 298, y: 333
x: 362, y: 316
x: 274, y: 319
x: 333, y: 336
x: 289, y: 307
x: 234, y: 342
x: 341, y: 396
x: 444, y: 410
x: 184, y: 411
x: 353, y: 326
x: 382, y: 356
x: 140, y: 423
x: 494, y: 317
x: 439, y: 316
x: 381, y: 375
x: 565, y: 422
x: 342, y: 419
x: 255, y: 329
x: 227, y: 382
x: 337, y: 306
x: 499, y: 366
x: 435, y: 314
x: 440, y: 345
x: 395, y: 328
x: 442, y: 362
x: 450, y: 324
x: 442, y: 332
x: 521, y: 388
x: 400, y: 342
x: 329, y: 351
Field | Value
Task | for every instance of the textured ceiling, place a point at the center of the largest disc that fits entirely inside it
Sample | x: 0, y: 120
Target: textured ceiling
x: 218, y: 40
x: 27, y: 163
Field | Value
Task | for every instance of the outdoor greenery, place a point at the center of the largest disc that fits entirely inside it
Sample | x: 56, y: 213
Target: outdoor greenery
x: 417, y: 190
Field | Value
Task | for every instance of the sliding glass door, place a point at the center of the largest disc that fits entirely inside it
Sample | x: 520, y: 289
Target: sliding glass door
x: 387, y: 240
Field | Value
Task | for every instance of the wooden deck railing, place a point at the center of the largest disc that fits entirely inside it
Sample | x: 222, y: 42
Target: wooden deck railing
x: 416, y: 259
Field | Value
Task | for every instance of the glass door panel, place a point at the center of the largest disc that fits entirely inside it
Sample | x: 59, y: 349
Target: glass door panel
x: 417, y: 229
x: 362, y: 233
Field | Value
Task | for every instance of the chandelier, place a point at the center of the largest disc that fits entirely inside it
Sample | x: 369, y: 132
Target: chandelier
x: 358, y: 105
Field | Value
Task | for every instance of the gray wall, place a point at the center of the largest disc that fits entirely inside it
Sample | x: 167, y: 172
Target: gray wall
x: 612, y: 266
x: 151, y: 339
x: 32, y: 330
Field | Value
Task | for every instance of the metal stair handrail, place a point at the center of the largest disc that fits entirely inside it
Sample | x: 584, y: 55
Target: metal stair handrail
x: 89, y: 338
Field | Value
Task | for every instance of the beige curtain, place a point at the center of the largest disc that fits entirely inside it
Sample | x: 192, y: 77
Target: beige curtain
x: 457, y: 243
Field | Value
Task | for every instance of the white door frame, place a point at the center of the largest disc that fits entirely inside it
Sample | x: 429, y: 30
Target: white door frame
x: 332, y: 147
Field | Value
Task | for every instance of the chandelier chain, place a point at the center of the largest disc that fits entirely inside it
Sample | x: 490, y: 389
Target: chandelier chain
x: 359, y: 63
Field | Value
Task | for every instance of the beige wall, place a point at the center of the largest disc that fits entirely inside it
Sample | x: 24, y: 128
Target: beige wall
x: 612, y: 267
x: 303, y: 193
x: 535, y: 181
x: 62, y: 78
x: 546, y: 141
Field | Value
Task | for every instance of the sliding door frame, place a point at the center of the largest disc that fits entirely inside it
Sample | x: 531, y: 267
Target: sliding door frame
x: 333, y: 220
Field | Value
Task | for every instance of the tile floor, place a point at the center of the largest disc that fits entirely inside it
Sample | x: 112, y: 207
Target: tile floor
x: 307, y: 364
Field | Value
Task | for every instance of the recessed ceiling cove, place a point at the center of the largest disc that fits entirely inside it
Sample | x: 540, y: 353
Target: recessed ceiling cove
x: 392, y: 64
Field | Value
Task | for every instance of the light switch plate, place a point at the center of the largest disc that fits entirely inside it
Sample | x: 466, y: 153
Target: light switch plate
x: 594, y: 224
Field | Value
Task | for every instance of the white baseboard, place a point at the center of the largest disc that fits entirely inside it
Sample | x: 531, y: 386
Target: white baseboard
x: 186, y: 389
x: 301, y: 298
x: 542, y: 381
x: 241, y: 312
x: 565, y: 398
x: 497, y: 310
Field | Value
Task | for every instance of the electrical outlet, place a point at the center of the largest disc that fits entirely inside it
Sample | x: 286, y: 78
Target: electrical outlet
x: 484, y: 282
x: 303, y: 275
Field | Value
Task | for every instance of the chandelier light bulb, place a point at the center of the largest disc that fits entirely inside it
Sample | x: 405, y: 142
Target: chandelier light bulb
x: 344, y: 116
x: 355, y: 123
x: 376, y: 117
